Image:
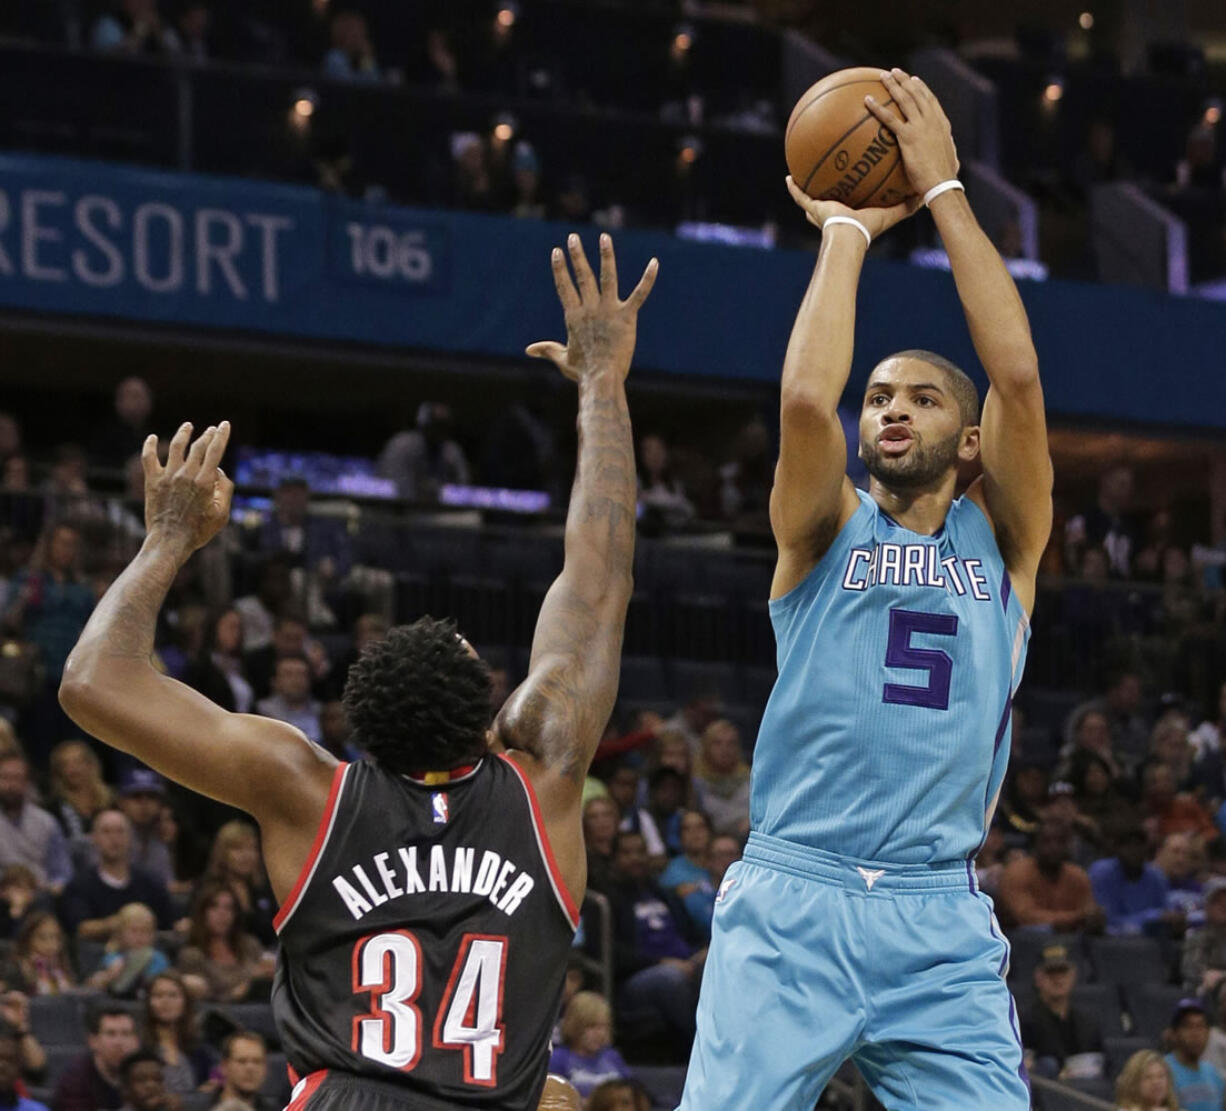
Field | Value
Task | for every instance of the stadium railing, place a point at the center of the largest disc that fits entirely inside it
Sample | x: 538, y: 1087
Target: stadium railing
x: 1050, y: 1095
x: 1136, y: 240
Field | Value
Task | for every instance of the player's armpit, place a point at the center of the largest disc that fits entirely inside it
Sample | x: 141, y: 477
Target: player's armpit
x: 262, y: 766
x: 1015, y: 490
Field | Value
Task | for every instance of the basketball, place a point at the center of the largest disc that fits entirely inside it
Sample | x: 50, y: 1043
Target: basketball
x: 837, y: 150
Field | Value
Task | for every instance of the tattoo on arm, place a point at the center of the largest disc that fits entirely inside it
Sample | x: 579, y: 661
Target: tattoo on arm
x: 561, y: 710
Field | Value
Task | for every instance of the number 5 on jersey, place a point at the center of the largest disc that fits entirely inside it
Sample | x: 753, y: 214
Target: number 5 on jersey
x: 388, y: 966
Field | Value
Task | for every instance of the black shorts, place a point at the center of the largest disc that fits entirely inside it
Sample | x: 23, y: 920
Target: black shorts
x: 343, y: 1091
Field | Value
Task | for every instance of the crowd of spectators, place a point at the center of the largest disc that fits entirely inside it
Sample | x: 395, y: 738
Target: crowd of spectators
x: 151, y: 903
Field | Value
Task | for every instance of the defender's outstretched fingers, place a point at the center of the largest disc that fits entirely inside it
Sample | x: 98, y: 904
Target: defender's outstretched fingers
x: 178, y: 446
x: 567, y: 293
x: 639, y: 294
x: 149, y: 458
x: 584, y: 277
x: 195, y: 457
x: 216, y: 449
x: 608, y: 268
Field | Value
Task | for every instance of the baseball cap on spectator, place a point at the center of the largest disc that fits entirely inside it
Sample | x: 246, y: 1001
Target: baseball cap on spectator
x: 1185, y: 1007
x: 1055, y: 958
x: 141, y: 781
x: 1215, y: 886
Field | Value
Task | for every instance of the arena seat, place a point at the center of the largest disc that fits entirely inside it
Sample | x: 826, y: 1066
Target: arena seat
x: 276, y: 1084
x: 1151, y: 1007
x: 757, y: 684
x: 690, y: 677
x: 1118, y: 1050
x: 196, y: 1101
x: 1128, y: 960
x: 59, y: 1058
x: 1026, y: 948
x: 256, y: 1017
x: 57, y: 1020
x: 664, y: 1083
x: 1103, y: 1001
x: 643, y: 677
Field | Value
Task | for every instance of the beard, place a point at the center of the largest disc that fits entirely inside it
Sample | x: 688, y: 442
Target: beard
x: 923, y: 465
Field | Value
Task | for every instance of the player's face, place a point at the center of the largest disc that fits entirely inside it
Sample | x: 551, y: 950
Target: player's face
x: 911, y: 432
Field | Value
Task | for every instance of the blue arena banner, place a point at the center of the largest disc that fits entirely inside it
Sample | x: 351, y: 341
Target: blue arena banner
x: 99, y: 240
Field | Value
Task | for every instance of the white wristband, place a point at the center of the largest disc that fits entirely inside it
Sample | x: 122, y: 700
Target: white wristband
x: 944, y: 187
x: 868, y: 239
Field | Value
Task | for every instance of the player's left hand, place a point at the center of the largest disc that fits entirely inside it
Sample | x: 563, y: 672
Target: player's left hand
x: 877, y: 220
x: 924, y: 134
x: 187, y: 501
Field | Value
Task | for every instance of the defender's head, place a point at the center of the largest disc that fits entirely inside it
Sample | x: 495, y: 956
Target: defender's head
x: 920, y: 418
x: 419, y: 699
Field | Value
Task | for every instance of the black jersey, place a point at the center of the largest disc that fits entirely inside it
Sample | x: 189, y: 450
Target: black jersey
x: 425, y: 942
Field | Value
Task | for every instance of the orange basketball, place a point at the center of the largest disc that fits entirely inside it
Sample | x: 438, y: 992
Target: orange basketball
x: 836, y: 148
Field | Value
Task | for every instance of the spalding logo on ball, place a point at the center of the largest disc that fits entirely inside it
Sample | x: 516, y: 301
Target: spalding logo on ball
x: 837, y: 150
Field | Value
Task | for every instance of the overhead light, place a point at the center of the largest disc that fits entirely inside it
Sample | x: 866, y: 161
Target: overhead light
x: 508, y: 13
x: 1054, y: 91
x: 689, y: 149
x: 304, y: 107
x: 1213, y: 112
x: 1085, y: 21
x: 505, y: 126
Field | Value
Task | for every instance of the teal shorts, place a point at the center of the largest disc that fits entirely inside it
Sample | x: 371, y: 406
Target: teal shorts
x: 816, y: 959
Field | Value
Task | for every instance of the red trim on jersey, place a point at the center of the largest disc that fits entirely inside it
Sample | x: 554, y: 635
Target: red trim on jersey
x: 309, y: 1087
x: 440, y: 1019
x: 555, y: 874
x: 292, y: 1073
x: 308, y: 865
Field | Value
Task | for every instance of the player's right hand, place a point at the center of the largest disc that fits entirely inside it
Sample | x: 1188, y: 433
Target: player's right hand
x: 925, y: 137
x: 877, y: 220
x: 600, y: 328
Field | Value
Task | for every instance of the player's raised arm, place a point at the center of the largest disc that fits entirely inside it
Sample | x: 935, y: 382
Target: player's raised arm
x: 558, y: 714
x: 1017, y: 473
x: 112, y: 690
x: 812, y: 497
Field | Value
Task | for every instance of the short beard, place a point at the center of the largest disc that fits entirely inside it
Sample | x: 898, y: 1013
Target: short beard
x: 922, y: 466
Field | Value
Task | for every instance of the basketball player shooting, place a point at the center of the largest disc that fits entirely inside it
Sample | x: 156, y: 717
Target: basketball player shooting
x: 854, y: 928
x: 425, y: 919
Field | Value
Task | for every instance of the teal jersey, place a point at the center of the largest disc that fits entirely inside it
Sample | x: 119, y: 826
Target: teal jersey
x: 886, y: 736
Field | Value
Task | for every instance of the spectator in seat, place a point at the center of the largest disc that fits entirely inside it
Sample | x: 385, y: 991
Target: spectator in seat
x: 291, y: 699
x: 28, y: 834
x: 1108, y: 523
x: 662, y: 498
x: 1022, y: 803
x: 123, y: 435
x: 600, y: 822
x: 220, y: 962
x: 1145, y: 1084
x: 20, y: 896
x: 746, y: 481
x: 1046, y: 890
x: 422, y: 459
x: 656, y: 965
x: 1167, y: 812
x: 1098, y: 798
x: 289, y: 639
x: 15, y: 1020
x: 586, y: 1056
x: 688, y: 876
x: 142, y: 793
x: 1181, y: 860
x: 142, y: 1082
x: 92, y: 901
x: 169, y: 1028
x: 352, y: 58
x: 78, y: 792
x: 1089, y: 734
x: 39, y: 964
x: 1053, y: 1030
x: 1133, y: 893
x: 721, y: 778
x: 132, y: 958
x: 1198, y: 1085
x: 660, y: 821
x: 135, y: 27
x: 92, y: 1081
x: 259, y: 611
x: 244, y: 1068
x: 1204, y: 951
x: 10, y: 1075
x: 219, y: 673
x: 194, y: 24
x: 234, y: 861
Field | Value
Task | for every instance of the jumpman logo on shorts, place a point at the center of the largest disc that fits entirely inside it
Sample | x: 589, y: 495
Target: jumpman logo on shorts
x: 870, y: 875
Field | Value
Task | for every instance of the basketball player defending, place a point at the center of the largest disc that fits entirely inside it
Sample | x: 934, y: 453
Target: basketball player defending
x: 853, y: 928
x: 425, y: 919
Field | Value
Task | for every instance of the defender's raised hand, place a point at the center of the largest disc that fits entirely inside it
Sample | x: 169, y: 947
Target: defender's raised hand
x: 187, y: 501
x: 600, y: 328
x: 924, y: 134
